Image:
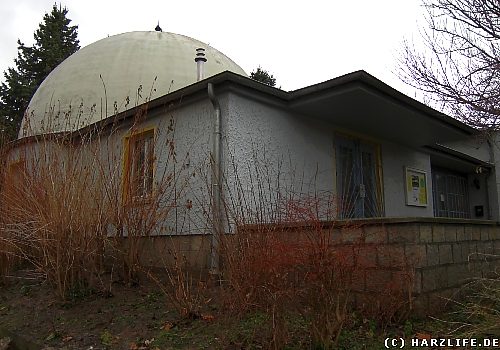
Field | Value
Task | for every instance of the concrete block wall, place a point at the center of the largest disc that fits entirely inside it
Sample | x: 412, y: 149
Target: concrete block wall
x: 422, y: 261
x: 437, y: 256
x: 455, y: 255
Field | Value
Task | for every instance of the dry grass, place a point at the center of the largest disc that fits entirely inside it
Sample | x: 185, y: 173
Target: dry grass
x: 478, y: 316
x: 55, y: 217
x: 62, y: 208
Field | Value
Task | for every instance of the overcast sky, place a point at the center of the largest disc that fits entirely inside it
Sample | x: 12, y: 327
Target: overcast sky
x: 299, y: 42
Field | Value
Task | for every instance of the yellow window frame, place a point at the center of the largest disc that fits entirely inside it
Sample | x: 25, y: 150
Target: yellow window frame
x: 129, y: 141
x: 378, y: 162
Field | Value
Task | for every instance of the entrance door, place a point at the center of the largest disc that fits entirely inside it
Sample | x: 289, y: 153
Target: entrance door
x: 450, y: 194
x: 357, y: 181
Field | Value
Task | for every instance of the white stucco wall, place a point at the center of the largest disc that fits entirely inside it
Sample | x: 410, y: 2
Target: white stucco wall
x: 487, y: 195
x: 494, y: 178
x: 38, y: 153
x: 304, y: 146
x: 189, y: 128
x: 295, y: 154
x: 394, y: 160
x: 478, y: 196
x: 477, y: 147
x: 493, y: 183
x: 271, y: 157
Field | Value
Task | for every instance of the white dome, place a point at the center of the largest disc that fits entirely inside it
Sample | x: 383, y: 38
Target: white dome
x: 73, y: 95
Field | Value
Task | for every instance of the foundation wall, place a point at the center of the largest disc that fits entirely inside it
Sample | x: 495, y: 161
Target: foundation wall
x: 431, y: 259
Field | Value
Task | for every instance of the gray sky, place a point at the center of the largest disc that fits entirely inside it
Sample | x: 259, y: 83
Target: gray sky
x: 300, y: 42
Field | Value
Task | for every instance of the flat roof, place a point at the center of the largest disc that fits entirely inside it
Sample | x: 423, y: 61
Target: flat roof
x: 310, y: 100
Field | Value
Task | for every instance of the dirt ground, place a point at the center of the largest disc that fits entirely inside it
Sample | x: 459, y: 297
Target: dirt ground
x: 142, y: 317
x: 130, y: 317
x: 138, y: 317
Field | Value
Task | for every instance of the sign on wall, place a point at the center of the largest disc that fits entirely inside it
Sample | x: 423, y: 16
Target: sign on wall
x: 416, y: 187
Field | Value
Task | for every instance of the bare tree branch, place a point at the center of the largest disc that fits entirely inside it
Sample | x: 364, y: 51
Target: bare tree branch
x: 460, y: 67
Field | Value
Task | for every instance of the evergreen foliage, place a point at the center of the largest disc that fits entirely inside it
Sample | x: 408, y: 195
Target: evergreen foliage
x: 263, y: 76
x: 55, y: 40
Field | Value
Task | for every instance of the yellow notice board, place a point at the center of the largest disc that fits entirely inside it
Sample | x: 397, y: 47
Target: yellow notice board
x: 416, y: 187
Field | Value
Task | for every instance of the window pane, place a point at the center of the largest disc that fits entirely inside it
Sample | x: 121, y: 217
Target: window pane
x: 357, y: 184
x: 347, y: 183
x: 369, y: 180
x: 141, y: 164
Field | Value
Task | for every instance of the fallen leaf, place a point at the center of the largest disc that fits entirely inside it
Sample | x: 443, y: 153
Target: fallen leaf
x: 207, y: 317
x: 67, y: 339
x: 423, y: 336
x: 167, y: 326
x: 133, y: 346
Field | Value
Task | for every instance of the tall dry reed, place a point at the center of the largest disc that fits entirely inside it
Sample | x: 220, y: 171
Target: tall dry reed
x: 63, y: 208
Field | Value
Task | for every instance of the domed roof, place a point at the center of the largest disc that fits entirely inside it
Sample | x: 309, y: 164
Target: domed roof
x: 114, y: 74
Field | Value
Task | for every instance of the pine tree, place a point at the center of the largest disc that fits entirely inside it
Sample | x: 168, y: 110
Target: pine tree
x: 55, y: 40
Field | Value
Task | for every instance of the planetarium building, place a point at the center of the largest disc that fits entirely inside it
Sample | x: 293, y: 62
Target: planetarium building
x: 168, y: 125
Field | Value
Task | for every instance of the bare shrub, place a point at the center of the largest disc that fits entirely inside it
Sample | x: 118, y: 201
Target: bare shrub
x: 64, y: 210
x: 329, y: 271
x: 291, y: 268
x: 57, y: 214
x: 291, y: 257
x: 184, y: 286
x: 478, y: 315
x: 10, y: 247
x: 391, y: 298
x: 8, y: 256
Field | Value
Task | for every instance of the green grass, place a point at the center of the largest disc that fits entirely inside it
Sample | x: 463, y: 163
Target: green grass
x: 106, y: 338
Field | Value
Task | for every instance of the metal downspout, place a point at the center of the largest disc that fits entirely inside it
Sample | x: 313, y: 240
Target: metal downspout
x: 216, y: 184
x: 488, y: 174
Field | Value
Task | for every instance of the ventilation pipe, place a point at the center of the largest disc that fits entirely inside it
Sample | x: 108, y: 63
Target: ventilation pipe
x: 200, y: 60
x: 216, y: 184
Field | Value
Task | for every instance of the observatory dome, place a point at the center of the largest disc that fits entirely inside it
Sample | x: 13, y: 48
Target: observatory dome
x: 115, y: 74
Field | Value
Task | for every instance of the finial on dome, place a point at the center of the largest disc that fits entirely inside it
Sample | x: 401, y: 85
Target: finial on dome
x: 158, y: 28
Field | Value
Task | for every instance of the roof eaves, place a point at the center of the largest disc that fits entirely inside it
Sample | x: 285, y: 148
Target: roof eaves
x: 35, y: 139
x: 367, y: 79
x: 227, y: 77
x: 459, y: 155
